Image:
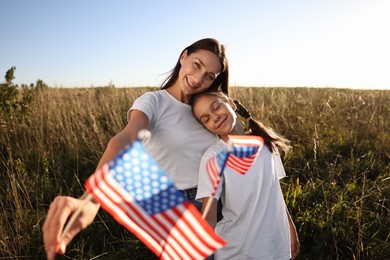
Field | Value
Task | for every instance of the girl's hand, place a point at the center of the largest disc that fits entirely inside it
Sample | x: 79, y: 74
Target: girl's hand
x: 295, y: 245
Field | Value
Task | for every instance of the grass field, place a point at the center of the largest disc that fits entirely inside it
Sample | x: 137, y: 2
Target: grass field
x: 337, y: 189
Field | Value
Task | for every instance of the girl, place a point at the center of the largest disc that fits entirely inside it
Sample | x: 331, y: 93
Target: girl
x: 177, y: 140
x: 255, y: 221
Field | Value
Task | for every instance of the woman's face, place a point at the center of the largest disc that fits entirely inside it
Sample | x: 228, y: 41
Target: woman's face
x: 198, y: 71
x: 215, y: 114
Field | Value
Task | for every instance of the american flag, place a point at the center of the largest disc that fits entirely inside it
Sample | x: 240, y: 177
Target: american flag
x: 214, y: 168
x: 244, y: 151
x: 141, y: 197
x: 240, y: 155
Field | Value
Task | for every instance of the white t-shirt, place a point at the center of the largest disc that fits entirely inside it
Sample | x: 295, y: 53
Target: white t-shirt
x: 254, y: 223
x: 177, y: 140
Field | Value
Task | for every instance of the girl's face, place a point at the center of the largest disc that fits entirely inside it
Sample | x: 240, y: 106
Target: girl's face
x: 215, y: 114
x: 198, y: 71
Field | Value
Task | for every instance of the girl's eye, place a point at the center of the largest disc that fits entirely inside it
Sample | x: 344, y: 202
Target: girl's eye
x: 205, y: 120
x: 216, y: 106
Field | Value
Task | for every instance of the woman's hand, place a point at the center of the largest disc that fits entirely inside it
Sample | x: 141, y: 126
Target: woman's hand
x: 59, y: 212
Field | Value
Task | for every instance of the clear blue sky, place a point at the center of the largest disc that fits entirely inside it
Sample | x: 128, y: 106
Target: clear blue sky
x: 334, y: 43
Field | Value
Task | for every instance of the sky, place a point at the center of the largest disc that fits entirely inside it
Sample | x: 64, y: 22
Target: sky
x: 301, y: 43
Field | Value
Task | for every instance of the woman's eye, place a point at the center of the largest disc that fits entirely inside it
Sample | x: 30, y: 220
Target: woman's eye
x: 210, y: 78
x: 197, y: 65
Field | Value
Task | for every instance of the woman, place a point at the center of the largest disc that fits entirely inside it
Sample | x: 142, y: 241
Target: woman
x: 255, y: 221
x: 166, y: 113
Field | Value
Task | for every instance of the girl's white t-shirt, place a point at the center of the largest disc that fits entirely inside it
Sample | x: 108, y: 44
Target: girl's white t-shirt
x: 254, y: 223
x: 177, y: 140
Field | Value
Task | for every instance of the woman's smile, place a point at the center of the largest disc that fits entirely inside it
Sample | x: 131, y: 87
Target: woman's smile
x: 191, y: 84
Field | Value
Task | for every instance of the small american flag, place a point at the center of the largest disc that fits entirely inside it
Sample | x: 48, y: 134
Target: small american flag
x: 242, y: 152
x: 139, y: 195
x: 214, y: 168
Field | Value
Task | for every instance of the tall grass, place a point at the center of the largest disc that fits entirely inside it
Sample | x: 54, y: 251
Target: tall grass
x: 339, y: 176
x: 337, y: 188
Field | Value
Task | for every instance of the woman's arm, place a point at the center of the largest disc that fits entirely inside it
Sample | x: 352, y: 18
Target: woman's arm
x: 63, y: 207
x: 137, y: 121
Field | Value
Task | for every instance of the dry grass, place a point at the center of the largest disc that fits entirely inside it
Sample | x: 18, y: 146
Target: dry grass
x: 337, y: 190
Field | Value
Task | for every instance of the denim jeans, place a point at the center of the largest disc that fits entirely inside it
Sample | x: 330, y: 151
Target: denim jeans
x: 191, y: 194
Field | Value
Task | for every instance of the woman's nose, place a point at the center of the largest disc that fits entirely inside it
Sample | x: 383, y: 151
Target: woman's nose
x: 198, y: 77
x: 196, y: 80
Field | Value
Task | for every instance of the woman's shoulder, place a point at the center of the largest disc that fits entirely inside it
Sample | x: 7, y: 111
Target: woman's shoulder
x: 152, y: 98
x: 153, y: 94
x: 162, y: 95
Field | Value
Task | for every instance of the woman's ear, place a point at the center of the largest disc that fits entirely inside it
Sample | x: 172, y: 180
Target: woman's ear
x: 183, y: 56
x: 232, y: 104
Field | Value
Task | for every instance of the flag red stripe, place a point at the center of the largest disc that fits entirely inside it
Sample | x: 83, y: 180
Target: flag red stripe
x: 193, y: 225
x: 176, y: 235
x: 213, y: 171
x: 190, y: 221
x: 173, y: 217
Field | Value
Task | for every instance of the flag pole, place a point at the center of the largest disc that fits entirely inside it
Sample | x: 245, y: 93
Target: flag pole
x: 86, y: 197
